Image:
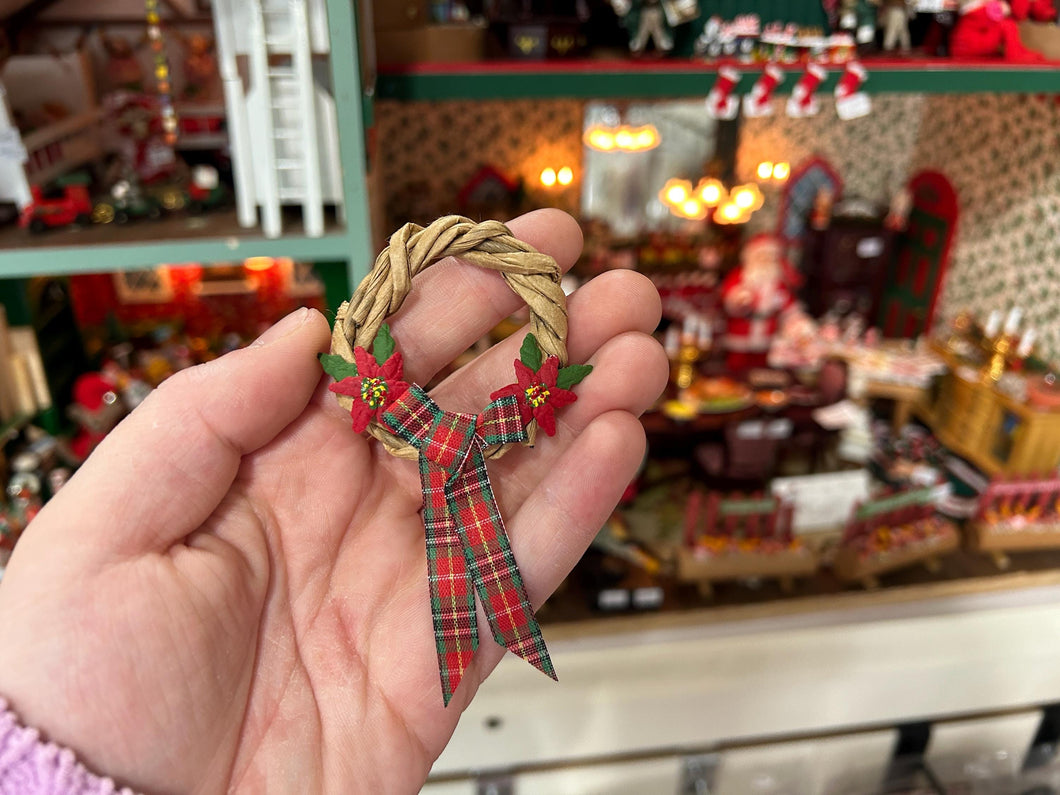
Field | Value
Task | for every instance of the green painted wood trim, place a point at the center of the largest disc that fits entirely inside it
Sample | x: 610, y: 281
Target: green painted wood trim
x: 349, y: 110
x: 489, y: 81
x: 65, y: 259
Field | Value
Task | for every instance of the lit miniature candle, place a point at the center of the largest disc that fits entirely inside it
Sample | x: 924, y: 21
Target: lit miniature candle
x: 704, y: 335
x: 1027, y: 343
x: 672, y: 342
x: 1012, y: 322
x: 993, y: 324
x: 688, y: 332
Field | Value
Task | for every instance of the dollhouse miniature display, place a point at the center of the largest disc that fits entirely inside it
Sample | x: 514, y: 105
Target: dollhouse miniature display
x: 740, y: 538
x: 1016, y: 515
x: 891, y: 533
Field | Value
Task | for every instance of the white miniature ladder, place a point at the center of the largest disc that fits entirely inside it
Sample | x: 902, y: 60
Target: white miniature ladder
x: 290, y: 129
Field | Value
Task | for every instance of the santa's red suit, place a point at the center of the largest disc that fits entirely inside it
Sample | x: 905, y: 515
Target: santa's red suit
x: 755, y: 299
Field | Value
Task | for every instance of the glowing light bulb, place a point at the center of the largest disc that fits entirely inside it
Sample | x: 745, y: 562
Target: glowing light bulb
x: 676, y: 191
x: 647, y: 137
x: 711, y: 192
x: 624, y: 138
x: 600, y: 139
x: 691, y: 209
x: 565, y: 175
x: 743, y: 199
x: 765, y: 170
x: 781, y: 171
x: 258, y: 263
x: 548, y: 177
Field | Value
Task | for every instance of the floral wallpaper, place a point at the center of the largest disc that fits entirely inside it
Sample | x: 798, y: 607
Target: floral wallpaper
x: 1001, y: 152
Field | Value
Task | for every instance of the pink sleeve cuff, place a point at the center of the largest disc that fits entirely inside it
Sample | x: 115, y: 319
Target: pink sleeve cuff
x: 30, y: 766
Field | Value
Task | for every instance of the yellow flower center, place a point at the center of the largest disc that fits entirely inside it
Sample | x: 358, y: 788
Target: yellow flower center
x: 537, y: 395
x: 373, y: 391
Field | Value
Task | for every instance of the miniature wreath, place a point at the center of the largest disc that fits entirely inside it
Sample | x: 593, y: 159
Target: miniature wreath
x: 467, y: 546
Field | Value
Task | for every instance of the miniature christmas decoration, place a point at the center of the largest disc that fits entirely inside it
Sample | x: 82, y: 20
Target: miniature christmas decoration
x: 125, y: 203
x: 655, y: 20
x: 97, y: 409
x: 760, y: 101
x: 756, y: 296
x: 467, y: 547
x: 741, y: 538
x: 1017, y: 515
x: 894, y: 18
x: 803, y: 101
x: 63, y: 206
x: 850, y: 101
x: 986, y: 27
x: 721, y: 101
x: 893, y: 532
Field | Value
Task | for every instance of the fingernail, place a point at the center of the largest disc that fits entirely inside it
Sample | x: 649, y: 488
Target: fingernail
x: 286, y: 326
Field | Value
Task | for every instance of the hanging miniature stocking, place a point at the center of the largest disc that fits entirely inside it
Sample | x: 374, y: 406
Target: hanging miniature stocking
x: 760, y: 101
x: 850, y: 101
x: 721, y: 103
x: 468, y: 552
x: 803, y: 100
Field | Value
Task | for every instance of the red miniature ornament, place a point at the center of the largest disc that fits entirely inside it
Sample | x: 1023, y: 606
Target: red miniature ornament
x: 373, y: 389
x: 538, y: 394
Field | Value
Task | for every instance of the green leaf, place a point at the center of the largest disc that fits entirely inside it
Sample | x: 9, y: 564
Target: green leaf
x: 337, y: 367
x: 383, y: 346
x: 530, y: 353
x: 569, y: 376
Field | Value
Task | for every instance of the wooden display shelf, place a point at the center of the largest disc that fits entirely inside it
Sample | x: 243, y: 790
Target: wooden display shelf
x: 851, y: 566
x: 673, y: 78
x: 784, y: 565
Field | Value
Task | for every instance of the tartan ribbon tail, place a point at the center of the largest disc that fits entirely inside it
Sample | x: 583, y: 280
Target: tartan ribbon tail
x: 493, y: 568
x: 467, y: 546
x: 449, y: 582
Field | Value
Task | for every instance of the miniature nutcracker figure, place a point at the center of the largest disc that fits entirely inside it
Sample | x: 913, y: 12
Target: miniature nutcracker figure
x: 201, y: 81
x: 756, y: 297
x: 123, y: 69
x: 894, y: 19
x: 652, y: 25
x: 656, y: 21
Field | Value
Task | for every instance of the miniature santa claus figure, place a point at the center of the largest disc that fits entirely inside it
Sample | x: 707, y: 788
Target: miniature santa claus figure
x: 756, y: 296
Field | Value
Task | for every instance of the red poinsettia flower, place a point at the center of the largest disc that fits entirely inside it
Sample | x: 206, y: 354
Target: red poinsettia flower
x: 374, y: 387
x: 538, y: 395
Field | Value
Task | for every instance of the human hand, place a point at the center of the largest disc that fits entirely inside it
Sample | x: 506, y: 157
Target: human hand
x: 232, y: 592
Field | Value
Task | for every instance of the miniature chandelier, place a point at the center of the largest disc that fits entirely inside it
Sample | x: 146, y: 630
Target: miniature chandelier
x: 604, y: 138
x: 733, y: 206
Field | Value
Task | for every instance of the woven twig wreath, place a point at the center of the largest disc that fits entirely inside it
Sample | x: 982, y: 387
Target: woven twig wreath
x: 533, y: 276
x: 467, y: 546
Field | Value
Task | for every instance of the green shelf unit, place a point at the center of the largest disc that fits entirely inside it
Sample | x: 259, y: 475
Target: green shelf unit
x: 671, y: 79
x: 216, y: 237
x: 67, y: 257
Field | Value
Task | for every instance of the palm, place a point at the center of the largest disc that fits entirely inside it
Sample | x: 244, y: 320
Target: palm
x: 266, y: 620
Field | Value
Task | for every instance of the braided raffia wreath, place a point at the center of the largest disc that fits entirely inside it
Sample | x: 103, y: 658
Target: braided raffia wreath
x: 467, y: 546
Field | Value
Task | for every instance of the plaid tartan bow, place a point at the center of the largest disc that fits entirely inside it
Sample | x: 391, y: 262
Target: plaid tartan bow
x: 467, y: 547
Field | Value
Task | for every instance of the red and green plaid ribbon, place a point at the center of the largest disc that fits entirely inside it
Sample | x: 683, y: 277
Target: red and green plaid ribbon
x: 467, y: 546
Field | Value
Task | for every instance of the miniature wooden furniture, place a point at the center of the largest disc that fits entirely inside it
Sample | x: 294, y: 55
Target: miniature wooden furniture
x: 891, y: 533
x: 741, y: 538
x: 998, y: 434
x: 1016, y: 515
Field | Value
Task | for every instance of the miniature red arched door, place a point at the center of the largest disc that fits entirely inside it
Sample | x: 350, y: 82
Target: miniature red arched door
x: 907, y: 306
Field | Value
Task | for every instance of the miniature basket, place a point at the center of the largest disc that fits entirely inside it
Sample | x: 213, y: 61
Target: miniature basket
x: 533, y: 276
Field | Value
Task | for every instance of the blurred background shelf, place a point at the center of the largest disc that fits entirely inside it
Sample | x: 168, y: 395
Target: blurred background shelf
x: 688, y: 78
x: 208, y: 239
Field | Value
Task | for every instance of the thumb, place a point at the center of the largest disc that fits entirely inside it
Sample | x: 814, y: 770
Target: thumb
x: 161, y: 473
